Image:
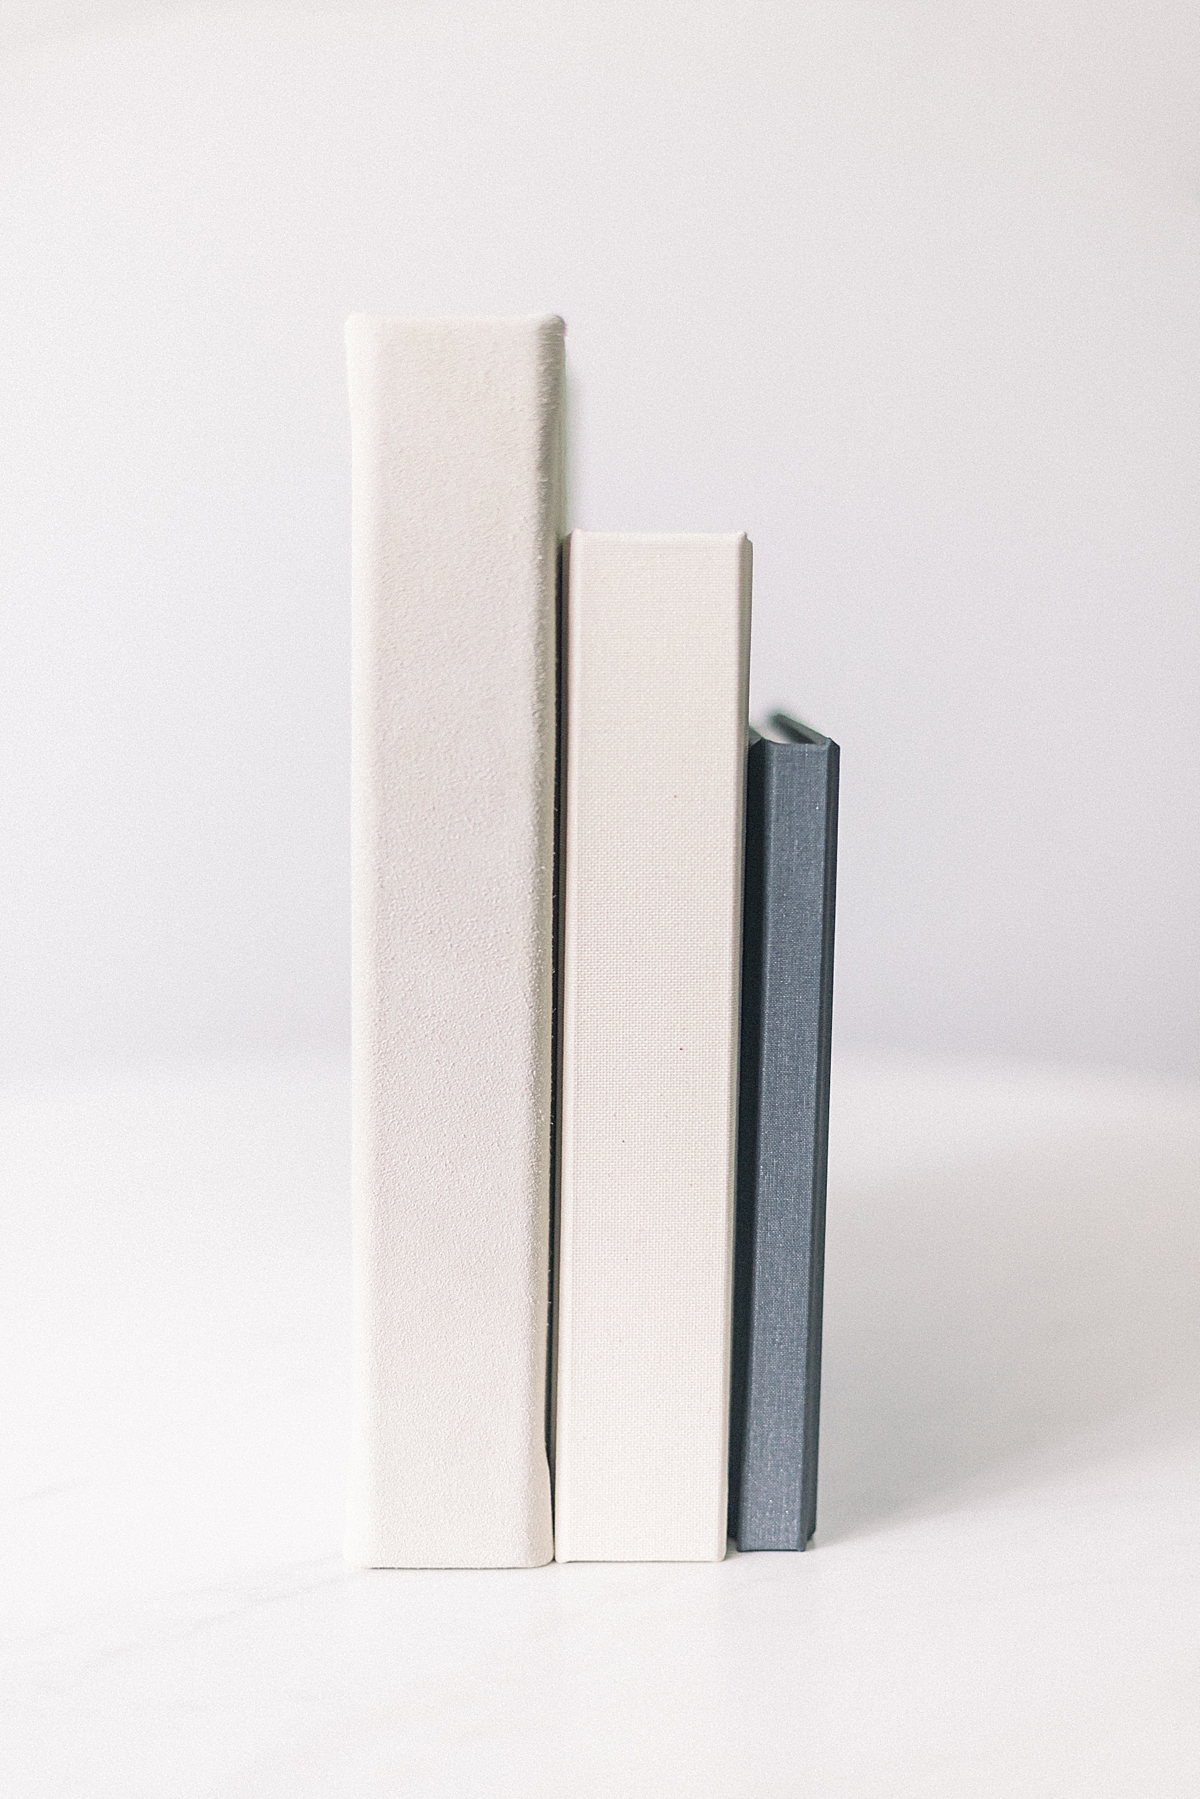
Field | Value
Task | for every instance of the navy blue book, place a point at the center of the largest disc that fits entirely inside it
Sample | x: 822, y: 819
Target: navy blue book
x: 783, y: 1134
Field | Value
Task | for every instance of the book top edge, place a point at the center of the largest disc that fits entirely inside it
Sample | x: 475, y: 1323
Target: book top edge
x: 787, y: 732
x: 732, y: 538
x: 547, y: 322
x: 818, y: 744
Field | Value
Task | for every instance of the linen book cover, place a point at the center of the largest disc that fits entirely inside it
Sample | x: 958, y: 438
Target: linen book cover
x: 787, y: 1000
x: 657, y: 652
x: 456, y: 429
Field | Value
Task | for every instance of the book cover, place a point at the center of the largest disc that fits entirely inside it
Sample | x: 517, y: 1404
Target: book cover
x: 787, y: 1001
x: 657, y: 652
x: 456, y: 429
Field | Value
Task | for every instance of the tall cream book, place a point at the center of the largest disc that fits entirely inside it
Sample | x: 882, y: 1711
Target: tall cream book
x: 657, y: 656
x: 456, y: 429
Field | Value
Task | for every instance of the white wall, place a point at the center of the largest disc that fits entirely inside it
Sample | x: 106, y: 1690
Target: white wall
x: 908, y: 291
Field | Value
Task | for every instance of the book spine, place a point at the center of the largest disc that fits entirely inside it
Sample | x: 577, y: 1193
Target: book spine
x: 456, y: 432
x: 656, y: 683
x: 791, y: 859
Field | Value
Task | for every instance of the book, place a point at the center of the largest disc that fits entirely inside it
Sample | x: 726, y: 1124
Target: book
x: 657, y: 649
x: 787, y: 1001
x: 456, y: 437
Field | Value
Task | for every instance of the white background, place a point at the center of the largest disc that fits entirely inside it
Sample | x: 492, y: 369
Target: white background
x: 908, y: 291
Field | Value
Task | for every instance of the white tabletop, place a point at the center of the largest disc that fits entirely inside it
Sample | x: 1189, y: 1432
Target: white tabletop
x: 1002, y: 1597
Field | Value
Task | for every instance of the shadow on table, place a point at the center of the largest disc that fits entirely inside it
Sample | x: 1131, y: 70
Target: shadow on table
x: 1004, y: 1301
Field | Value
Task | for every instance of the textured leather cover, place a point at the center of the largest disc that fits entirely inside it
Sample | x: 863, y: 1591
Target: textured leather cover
x: 456, y: 458
x: 657, y: 659
x: 787, y: 999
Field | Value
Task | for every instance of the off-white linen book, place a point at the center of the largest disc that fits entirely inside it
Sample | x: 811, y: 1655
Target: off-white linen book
x: 657, y: 654
x: 456, y: 429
